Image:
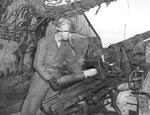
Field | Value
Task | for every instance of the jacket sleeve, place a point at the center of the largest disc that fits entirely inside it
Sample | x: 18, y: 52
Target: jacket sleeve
x: 39, y: 60
x: 76, y: 68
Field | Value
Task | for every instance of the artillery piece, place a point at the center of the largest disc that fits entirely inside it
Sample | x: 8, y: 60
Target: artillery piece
x: 120, y: 69
x: 116, y: 67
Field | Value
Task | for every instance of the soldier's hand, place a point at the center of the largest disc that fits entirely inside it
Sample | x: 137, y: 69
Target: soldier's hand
x: 54, y: 84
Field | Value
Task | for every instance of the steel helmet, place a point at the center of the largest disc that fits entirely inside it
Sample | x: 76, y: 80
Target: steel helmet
x: 64, y: 21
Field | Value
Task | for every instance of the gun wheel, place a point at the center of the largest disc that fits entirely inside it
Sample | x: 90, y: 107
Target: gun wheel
x: 136, y: 79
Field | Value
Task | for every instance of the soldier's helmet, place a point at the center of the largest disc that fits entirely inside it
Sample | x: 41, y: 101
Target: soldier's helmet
x: 65, y: 21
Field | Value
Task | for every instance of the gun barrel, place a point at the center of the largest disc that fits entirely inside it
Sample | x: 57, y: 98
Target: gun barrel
x: 135, y: 39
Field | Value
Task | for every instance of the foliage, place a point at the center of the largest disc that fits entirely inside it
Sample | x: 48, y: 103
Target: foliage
x: 70, y: 9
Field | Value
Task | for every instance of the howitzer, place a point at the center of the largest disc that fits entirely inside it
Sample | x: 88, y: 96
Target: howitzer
x: 115, y: 66
x: 87, y: 95
x: 135, y: 39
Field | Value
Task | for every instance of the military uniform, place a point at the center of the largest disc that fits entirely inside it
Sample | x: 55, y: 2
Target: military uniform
x: 49, y: 57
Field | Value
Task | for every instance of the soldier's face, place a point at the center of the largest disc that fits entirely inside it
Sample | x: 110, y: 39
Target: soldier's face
x: 65, y: 34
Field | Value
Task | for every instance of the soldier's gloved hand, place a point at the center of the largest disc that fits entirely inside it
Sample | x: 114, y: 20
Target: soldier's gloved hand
x: 54, y: 84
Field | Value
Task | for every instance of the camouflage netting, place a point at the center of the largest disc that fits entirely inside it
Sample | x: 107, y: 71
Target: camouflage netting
x: 69, y: 9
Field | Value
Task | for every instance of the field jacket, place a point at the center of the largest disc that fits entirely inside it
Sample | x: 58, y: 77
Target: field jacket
x: 49, y: 57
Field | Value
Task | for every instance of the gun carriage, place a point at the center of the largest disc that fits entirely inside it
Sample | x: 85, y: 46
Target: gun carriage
x: 119, y: 68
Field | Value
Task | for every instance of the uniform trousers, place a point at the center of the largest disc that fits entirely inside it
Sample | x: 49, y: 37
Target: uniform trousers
x: 38, y: 91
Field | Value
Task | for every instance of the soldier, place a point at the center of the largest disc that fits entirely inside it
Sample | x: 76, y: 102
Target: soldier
x: 52, y: 51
